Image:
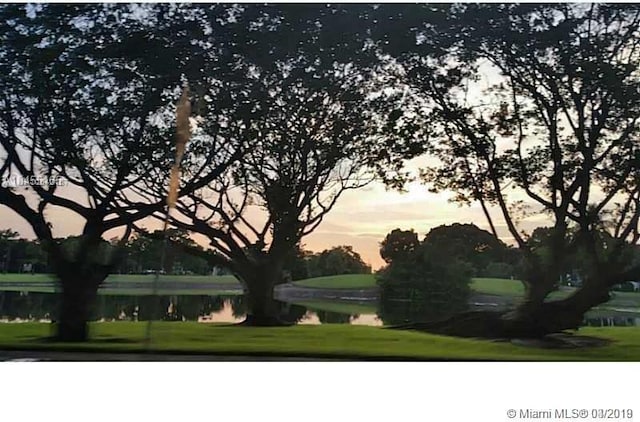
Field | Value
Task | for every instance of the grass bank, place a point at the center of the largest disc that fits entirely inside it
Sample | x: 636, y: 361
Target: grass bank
x: 131, y: 284
x: 321, y: 341
x: 496, y: 286
x: 344, y: 281
x: 228, y: 285
x: 125, y: 278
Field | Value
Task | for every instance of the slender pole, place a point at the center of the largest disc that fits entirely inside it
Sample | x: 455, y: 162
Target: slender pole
x: 156, y: 280
x: 183, y: 132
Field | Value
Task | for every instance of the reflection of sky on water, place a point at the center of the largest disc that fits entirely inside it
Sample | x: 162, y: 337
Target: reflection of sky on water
x: 367, y: 319
x: 225, y: 315
x: 40, y: 307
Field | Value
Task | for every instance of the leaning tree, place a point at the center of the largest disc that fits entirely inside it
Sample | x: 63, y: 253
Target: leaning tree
x: 535, y: 112
x: 85, y: 115
x: 304, y: 106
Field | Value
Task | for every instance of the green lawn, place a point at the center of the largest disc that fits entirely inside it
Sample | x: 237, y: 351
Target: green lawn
x: 341, y: 307
x: 345, y: 281
x: 165, y: 292
x: 515, y: 289
x: 497, y: 286
x: 319, y: 341
x: 26, y: 277
x: 349, y: 281
x: 133, y: 292
x: 227, y: 281
x: 125, y: 278
x: 492, y: 286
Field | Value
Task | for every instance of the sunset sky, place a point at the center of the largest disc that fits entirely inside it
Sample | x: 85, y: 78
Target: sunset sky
x: 361, y: 218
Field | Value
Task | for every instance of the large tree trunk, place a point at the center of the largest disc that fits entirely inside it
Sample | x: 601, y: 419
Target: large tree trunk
x: 531, y: 319
x: 558, y: 315
x: 262, y: 308
x: 78, y: 300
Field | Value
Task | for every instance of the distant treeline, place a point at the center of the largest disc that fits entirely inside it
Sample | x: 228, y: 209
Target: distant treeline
x: 142, y: 254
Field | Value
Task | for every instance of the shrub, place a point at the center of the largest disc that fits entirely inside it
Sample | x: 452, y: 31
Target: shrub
x: 430, y: 284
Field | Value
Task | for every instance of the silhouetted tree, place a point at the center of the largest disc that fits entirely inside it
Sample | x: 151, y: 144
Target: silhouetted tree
x: 399, y: 245
x: 297, y: 264
x: 182, y: 254
x: 558, y: 125
x: 469, y: 243
x: 311, y: 133
x: 337, y: 260
x: 84, y: 117
x: 16, y: 252
x: 424, y: 282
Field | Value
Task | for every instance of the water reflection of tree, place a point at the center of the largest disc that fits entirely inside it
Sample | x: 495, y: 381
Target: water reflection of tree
x: 238, y: 306
x: 190, y: 308
x: 114, y: 307
x: 185, y: 308
x: 400, y: 306
x: 289, y: 312
x: 328, y: 317
x: 292, y: 313
x: 26, y: 305
x: 153, y: 307
x: 212, y: 304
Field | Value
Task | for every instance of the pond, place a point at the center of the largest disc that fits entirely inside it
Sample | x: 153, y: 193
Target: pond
x: 34, y: 306
x: 16, y: 306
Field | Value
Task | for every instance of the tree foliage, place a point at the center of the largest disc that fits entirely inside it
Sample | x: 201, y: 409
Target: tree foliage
x: 399, y: 245
x: 470, y: 244
x: 432, y: 281
x: 337, y: 260
x: 84, y: 107
x: 554, y: 134
x: 309, y: 130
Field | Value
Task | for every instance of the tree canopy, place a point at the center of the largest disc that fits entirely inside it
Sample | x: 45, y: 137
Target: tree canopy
x: 310, y: 124
x: 84, y: 121
x: 554, y: 133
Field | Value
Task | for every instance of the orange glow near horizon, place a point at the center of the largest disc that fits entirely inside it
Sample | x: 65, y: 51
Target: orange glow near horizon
x: 361, y: 218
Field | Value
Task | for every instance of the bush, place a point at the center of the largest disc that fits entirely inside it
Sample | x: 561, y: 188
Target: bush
x: 429, y: 284
x: 336, y: 261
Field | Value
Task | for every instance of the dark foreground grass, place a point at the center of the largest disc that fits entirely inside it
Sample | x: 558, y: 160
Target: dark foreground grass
x: 340, y: 341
